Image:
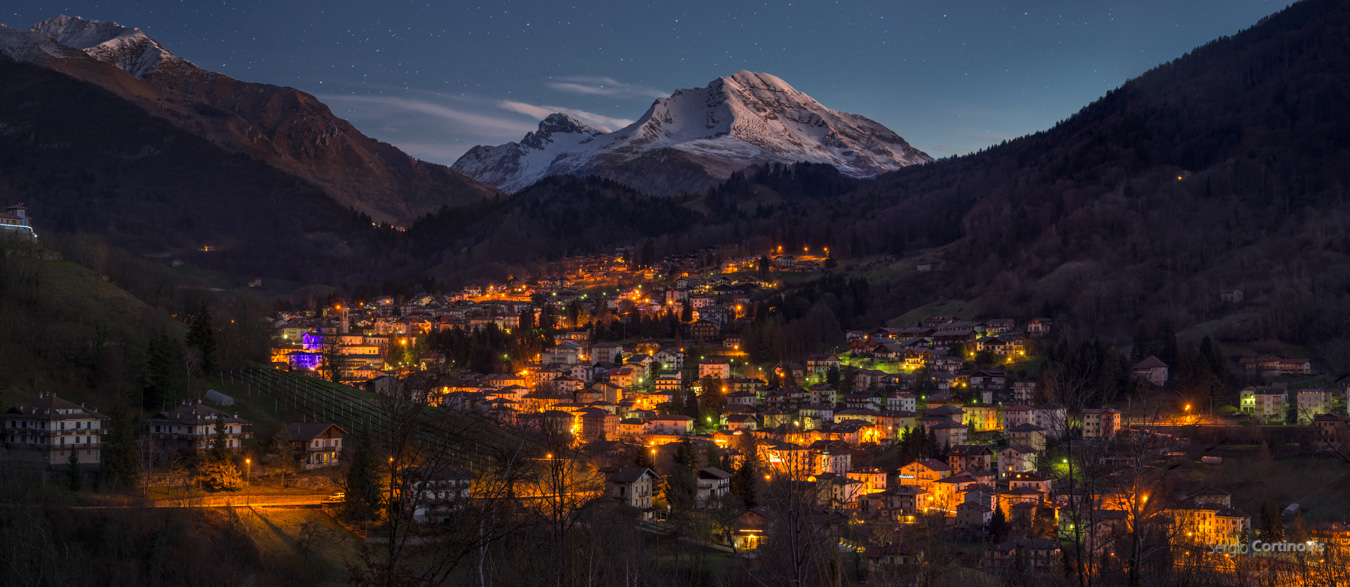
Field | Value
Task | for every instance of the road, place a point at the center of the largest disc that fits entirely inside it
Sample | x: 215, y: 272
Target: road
x: 221, y: 501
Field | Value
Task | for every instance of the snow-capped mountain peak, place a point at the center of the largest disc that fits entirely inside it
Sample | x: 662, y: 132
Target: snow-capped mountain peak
x: 126, y: 48
x: 515, y: 166
x: 702, y: 135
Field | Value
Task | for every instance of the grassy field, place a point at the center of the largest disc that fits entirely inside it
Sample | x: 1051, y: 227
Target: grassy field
x: 306, y: 538
x: 1320, y: 485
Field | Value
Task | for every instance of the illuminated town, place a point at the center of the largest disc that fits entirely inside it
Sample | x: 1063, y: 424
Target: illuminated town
x: 710, y: 294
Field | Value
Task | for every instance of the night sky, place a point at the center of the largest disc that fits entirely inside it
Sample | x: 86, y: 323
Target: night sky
x: 436, y: 78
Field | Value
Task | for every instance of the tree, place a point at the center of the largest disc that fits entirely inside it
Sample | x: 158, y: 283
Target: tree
x: 161, y: 371
x: 745, y: 480
x: 121, y: 468
x: 832, y: 376
x: 1167, y: 343
x: 220, y: 441
x: 285, y: 451
x: 74, y: 476
x: 219, y: 473
x: 998, y: 526
x: 330, y: 358
x: 202, y: 336
x: 361, y: 494
x: 1141, y: 344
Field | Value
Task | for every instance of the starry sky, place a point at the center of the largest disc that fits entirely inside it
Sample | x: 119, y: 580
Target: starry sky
x: 436, y: 78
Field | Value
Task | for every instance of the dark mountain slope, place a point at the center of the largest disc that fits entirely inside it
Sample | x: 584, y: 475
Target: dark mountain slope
x: 285, y: 127
x: 1228, y: 167
x: 85, y: 160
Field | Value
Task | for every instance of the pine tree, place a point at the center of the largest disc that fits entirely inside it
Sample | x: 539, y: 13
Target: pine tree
x: 220, y: 442
x: 202, y: 336
x: 362, y: 498
x: 1140, y: 347
x: 744, y: 482
x: 74, y: 476
x: 161, y: 371
x: 998, y: 526
x: 121, y: 468
x: 1167, y: 343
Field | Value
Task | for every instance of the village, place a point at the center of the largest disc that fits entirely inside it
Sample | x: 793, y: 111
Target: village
x: 947, y: 423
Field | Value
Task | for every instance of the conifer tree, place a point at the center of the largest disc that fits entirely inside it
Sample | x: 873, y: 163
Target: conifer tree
x: 998, y: 526
x: 362, y: 498
x: 74, y: 477
x: 120, y: 465
x: 202, y: 336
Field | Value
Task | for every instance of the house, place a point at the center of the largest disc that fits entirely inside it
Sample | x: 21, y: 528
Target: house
x: 704, y: 329
x: 676, y: 425
x: 435, y: 492
x: 1312, y: 403
x: 952, y: 413
x: 965, y: 457
x: 974, y: 516
x: 1267, y: 404
x: 1023, y: 391
x: 1275, y: 366
x: 901, y: 402
x: 1231, y: 295
x: 1199, y: 523
x: 14, y: 221
x: 948, y: 492
x: 1029, y: 435
x: 1152, y: 370
x: 49, y: 430
x: 718, y: 367
x: 1016, y: 458
x: 316, y: 444
x: 713, y: 485
x: 981, y: 417
x: 598, y: 424
x: 1100, y: 423
x: 1039, y: 327
x: 566, y: 353
x: 606, y: 352
x: 949, y: 433
x: 988, y: 379
x: 1036, y: 555
x: 1331, y: 430
x: 821, y: 364
x: 923, y: 473
x: 748, y: 529
x: 1034, y: 481
x: 632, y: 486
x: 671, y: 360
x: 905, y: 500
x: 873, y: 480
x: 190, y: 430
x: 1054, y: 418
x: 1018, y: 415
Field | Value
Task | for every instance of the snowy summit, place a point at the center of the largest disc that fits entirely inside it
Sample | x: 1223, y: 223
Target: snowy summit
x: 697, y: 137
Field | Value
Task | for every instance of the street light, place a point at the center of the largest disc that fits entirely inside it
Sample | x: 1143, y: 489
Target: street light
x: 248, y: 481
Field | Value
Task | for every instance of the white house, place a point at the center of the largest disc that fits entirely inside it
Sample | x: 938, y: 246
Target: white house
x: 713, y: 484
x: 48, y: 430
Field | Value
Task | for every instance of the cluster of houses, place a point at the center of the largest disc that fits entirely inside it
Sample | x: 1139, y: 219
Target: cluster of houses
x: 45, y: 432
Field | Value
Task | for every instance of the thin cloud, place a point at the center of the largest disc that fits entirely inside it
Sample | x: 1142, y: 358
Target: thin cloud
x: 389, y: 107
x: 430, y: 151
x: 605, y: 123
x: 596, y: 85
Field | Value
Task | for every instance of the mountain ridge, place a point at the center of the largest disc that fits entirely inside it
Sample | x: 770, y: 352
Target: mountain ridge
x: 282, y: 126
x: 698, y: 137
